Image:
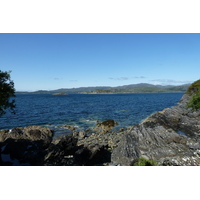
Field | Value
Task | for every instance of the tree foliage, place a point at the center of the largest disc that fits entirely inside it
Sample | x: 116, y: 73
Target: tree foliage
x: 7, y: 91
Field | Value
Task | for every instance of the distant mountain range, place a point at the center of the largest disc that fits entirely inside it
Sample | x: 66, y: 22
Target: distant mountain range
x: 132, y: 88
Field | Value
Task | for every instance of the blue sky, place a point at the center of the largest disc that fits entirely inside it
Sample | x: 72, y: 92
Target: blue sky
x: 52, y: 61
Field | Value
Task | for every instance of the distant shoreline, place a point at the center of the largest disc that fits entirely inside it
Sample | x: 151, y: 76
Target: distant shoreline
x: 132, y: 88
x: 61, y: 93
x: 33, y: 93
x: 133, y: 93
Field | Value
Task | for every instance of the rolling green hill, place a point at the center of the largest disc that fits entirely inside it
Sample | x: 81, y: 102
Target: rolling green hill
x: 133, y: 88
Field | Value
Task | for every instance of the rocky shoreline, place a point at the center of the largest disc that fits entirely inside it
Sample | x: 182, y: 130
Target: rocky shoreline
x: 169, y: 137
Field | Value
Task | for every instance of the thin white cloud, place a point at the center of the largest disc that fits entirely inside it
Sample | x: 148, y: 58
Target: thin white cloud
x: 119, y: 78
x: 56, y: 79
x: 126, y: 78
x: 169, y: 81
x: 139, y: 77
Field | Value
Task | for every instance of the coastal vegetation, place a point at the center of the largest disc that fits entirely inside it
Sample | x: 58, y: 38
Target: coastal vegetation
x: 194, y: 90
x: 194, y: 87
x: 194, y: 102
x: 7, y: 90
x: 145, y: 162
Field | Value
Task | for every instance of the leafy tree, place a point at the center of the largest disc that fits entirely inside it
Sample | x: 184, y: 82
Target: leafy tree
x: 7, y: 90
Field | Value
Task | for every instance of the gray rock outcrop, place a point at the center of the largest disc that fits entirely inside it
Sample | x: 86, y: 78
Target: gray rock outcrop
x: 158, y: 138
x: 24, y: 145
x: 32, y: 133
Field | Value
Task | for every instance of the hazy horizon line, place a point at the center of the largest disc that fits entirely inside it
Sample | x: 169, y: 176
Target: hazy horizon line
x: 159, y: 84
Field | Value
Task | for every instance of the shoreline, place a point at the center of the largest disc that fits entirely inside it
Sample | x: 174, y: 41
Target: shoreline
x: 126, y: 114
x: 169, y: 137
x: 165, y: 138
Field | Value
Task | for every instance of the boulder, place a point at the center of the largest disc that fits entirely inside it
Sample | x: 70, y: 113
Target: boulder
x: 93, y: 154
x: 24, y: 145
x: 105, y: 126
x: 64, y: 151
x: 32, y: 133
x: 22, y: 152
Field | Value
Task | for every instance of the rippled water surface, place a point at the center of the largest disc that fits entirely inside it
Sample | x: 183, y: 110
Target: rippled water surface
x: 83, y: 110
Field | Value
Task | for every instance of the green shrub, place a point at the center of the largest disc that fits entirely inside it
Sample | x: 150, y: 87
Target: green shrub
x: 145, y: 162
x: 193, y: 88
x: 194, y: 102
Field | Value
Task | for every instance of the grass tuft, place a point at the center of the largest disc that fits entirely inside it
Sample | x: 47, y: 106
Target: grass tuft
x: 145, y: 162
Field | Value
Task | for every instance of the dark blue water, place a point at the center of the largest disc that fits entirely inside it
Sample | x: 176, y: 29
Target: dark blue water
x: 83, y: 110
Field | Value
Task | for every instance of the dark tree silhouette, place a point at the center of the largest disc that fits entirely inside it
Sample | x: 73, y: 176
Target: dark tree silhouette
x: 7, y: 90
